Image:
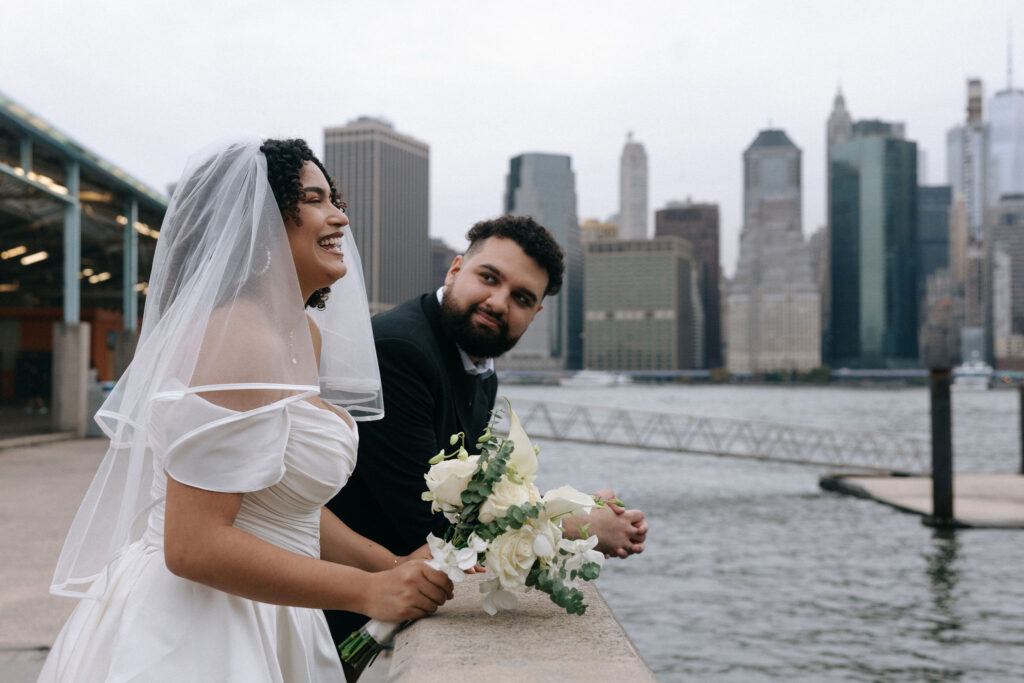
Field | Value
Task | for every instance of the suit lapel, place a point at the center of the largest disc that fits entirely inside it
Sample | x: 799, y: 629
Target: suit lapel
x: 464, y: 387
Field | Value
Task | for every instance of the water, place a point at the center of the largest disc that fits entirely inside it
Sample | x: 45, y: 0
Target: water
x: 753, y: 573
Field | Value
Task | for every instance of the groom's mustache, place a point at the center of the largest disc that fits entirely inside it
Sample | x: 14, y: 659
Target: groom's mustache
x: 498, y: 317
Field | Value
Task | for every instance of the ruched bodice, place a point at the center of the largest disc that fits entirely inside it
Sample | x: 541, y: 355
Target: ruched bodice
x: 287, y: 514
x: 150, y: 625
x: 319, y: 456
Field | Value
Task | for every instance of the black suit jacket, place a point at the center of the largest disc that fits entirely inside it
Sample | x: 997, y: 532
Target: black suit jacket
x: 428, y: 396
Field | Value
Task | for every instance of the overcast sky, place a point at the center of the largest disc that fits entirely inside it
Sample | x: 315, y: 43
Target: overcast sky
x: 144, y: 83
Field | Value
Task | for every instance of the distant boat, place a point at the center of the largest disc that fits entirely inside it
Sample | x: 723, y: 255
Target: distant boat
x: 974, y: 375
x: 595, y: 378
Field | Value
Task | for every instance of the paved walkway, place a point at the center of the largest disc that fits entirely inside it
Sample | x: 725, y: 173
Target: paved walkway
x: 40, y: 489
x: 979, y: 500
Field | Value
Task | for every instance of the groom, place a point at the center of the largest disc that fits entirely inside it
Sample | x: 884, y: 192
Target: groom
x: 436, y: 354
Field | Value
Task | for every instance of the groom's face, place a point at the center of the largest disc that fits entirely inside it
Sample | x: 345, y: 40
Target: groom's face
x: 491, y: 296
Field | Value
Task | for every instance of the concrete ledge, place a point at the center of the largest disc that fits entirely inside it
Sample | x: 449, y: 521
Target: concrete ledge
x: 537, y: 641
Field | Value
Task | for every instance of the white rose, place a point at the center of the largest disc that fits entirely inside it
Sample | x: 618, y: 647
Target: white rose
x: 504, y: 494
x: 566, y: 500
x: 511, y: 555
x: 448, y: 479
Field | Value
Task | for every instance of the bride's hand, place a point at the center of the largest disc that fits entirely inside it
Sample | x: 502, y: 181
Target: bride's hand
x: 409, y: 591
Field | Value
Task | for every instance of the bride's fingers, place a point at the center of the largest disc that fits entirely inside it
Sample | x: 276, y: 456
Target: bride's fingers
x: 434, y: 593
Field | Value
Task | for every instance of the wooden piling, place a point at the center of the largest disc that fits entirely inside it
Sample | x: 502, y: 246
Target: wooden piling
x: 942, y: 446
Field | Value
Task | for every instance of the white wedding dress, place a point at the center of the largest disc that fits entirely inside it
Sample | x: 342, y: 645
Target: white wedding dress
x: 150, y: 625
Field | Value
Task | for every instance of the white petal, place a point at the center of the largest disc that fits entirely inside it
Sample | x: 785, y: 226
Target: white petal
x: 505, y: 599
x: 524, y: 458
x: 542, y: 546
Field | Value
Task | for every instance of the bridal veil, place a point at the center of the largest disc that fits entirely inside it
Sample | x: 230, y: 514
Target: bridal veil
x: 224, y: 321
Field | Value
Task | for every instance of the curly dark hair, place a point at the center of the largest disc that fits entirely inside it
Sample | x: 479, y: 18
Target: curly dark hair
x: 531, y: 236
x: 285, y: 159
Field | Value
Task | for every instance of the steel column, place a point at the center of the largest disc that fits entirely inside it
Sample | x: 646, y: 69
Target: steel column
x: 72, y: 246
x: 26, y: 153
x: 131, y: 264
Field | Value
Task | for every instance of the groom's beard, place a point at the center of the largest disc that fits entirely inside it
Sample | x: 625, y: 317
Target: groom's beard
x: 475, y: 340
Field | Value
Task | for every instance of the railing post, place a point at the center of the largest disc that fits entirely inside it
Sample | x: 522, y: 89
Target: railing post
x: 942, y: 446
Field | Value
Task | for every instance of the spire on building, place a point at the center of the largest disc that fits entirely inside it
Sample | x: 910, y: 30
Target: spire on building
x: 840, y: 124
x: 633, y: 191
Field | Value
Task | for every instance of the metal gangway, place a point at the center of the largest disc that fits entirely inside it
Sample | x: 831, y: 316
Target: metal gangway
x: 752, y: 439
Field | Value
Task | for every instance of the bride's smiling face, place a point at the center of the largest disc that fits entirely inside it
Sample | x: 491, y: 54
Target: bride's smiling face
x: 315, y: 236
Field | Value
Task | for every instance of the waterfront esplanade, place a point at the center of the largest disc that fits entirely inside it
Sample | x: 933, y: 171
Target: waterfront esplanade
x: 77, y: 236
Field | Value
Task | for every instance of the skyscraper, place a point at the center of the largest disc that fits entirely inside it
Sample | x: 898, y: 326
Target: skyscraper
x: 633, y: 191
x: 774, y: 311
x: 698, y: 225
x: 839, y: 128
x: 384, y: 177
x: 1006, y: 225
x: 543, y: 186
x: 441, y: 257
x: 643, y: 311
x: 933, y: 247
x: 1006, y: 144
x: 592, y: 230
x: 873, y: 253
x: 967, y: 161
x: 842, y: 128
x: 938, y: 321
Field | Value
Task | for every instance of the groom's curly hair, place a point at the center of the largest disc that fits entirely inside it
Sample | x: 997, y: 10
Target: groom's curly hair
x: 285, y: 159
x: 532, y: 237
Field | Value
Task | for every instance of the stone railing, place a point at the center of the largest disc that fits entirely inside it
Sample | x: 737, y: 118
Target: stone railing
x: 537, y: 641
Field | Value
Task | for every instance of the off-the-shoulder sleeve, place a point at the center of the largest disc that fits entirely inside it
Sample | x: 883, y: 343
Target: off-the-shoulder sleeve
x: 217, y: 449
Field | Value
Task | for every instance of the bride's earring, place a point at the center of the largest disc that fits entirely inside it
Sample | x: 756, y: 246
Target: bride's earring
x: 266, y: 264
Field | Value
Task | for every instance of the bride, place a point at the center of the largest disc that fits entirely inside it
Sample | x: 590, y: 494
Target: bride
x: 202, y: 551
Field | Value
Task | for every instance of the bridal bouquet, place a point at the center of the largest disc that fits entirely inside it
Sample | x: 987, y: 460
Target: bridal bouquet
x: 500, y: 521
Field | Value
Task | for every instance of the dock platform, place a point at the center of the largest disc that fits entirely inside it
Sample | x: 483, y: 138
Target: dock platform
x: 986, y: 501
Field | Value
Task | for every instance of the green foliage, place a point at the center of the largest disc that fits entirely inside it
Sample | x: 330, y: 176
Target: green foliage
x: 553, y: 583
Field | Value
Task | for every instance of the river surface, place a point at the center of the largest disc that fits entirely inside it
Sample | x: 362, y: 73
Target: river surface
x: 753, y: 573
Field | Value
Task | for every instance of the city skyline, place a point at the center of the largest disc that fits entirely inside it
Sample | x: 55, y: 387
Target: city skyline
x: 695, y: 84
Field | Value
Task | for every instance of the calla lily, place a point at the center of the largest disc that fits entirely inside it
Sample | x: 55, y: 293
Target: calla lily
x: 524, y: 457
